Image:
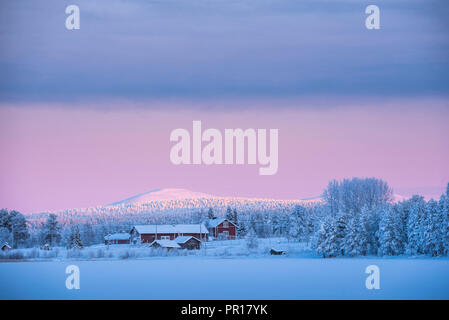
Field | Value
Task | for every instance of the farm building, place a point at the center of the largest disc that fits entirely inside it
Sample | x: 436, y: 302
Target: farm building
x: 117, y: 238
x: 167, y: 244
x: 188, y: 242
x: 221, y: 229
x: 149, y: 233
x: 6, y: 247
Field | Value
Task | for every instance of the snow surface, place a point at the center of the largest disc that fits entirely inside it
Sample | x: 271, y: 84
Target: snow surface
x: 276, y: 277
x: 221, y: 270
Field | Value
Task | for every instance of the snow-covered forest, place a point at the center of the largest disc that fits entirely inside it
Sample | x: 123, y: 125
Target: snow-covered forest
x: 356, y: 217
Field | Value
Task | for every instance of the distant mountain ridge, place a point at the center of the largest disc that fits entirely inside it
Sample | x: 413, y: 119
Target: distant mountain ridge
x: 167, y: 194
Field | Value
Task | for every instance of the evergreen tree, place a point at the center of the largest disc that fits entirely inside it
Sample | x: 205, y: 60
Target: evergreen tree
x: 415, y: 233
x: 5, y: 219
x: 229, y: 215
x: 370, y: 223
x: 74, y: 241
x: 389, y: 233
x: 341, y: 229
x: 16, y: 224
x: 51, y: 231
x: 276, y: 226
x: 5, y: 236
x: 235, y: 217
x: 293, y: 226
x: 210, y: 214
x: 241, y: 229
x: 403, y: 211
x: 443, y: 205
x: 327, y: 242
x: 356, y: 238
x: 88, y: 234
x: 433, y: 239
x: 300, y: 224
x: 252, y: 241
x: 19, y: 229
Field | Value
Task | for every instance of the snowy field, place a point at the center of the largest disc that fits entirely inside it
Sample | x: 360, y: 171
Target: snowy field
x: 222, y: 270
x: 195, y: 277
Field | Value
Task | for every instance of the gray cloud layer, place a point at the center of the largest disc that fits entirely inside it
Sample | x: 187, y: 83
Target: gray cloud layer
x: 216, y: 48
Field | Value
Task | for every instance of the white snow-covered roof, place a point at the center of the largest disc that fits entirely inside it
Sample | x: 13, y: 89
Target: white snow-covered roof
x: 215, y: 222
x: 166, y: 243
x: 169, y: 228
x: 117, y: 236
x: 184, y: 239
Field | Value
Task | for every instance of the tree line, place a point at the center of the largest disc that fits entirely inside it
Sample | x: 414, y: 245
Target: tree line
x: 356, y: 217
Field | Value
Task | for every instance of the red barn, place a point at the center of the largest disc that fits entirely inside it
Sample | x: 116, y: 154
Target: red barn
x: 222, y: 229
x: 149, y: 233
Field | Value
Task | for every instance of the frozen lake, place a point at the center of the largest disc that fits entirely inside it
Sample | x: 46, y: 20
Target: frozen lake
x: 236, y: 278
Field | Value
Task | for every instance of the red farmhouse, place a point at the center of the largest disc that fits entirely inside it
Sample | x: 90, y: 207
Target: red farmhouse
x: 149, y: 233
x: 221, y: 229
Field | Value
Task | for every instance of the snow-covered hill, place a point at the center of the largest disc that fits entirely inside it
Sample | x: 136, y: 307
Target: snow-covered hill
x: 168, y: 205
x: 162, y: 194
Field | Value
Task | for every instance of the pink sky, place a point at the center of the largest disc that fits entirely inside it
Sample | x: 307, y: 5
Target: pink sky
x: 59, y: 156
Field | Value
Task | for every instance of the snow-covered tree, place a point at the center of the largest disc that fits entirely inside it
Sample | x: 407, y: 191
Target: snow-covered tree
x: 229, y: 214
x: 390, y: 233
x: 300, y: 224
x: 210, y: 214
x: 356, y: 238
x: 5, y: 236
x: 293, y: 226
x: 51, y: 232
x: 369, y: 219
x: 351, y: 195
x: 403, y: 211
x: 433, y: 221
x: 88, y: 234
x: 16, y: 225
x: 252, y: 241
x: 341, y: 230
x: 241, y: 229
x: 415, y: 232
x: 5, y: 219
x: 326, y: 241
x: 443, y: 206
x: 19, y: 229
x: 74, y: 241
